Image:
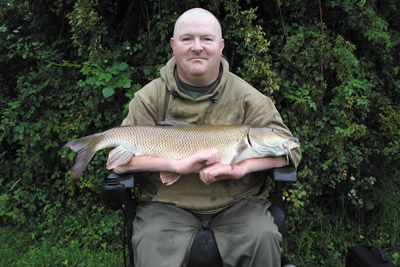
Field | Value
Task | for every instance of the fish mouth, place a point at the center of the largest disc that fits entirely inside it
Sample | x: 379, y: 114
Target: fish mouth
x: 291, y: 143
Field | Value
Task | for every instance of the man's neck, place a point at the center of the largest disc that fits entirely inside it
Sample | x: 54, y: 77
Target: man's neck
x: 202, y: 80
x: 195, y: 91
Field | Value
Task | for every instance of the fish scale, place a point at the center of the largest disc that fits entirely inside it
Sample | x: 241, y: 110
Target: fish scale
x: 178, y: 142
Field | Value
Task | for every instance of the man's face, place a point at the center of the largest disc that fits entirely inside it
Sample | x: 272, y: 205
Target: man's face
x: 197, y: 47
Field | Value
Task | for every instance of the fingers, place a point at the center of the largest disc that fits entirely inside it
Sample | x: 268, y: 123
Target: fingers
x: 220, y: 171
x: 215, y: 172
x: 208, y: 156
x: 198, y: 160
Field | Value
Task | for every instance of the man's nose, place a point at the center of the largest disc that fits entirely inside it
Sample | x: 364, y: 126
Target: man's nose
x: 197, y: 46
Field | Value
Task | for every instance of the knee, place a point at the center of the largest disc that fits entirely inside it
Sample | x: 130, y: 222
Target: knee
x: 265, y: 234
x: 150, y: 229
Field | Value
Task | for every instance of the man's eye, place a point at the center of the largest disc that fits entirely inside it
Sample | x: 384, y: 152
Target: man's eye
x: 185, y: 39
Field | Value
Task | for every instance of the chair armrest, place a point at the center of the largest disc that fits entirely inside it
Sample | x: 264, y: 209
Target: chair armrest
x: 116, y: 192
x: 285, y: 174
x: 127, y: 179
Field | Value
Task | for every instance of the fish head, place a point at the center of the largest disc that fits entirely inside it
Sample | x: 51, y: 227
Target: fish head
x: 271, y: 142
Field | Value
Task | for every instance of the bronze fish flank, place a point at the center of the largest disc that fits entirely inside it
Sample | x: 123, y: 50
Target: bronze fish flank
x: 235, y: 143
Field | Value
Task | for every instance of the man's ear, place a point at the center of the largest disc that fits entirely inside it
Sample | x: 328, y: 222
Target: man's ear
x: 171, y: 43
x: 222, y: 45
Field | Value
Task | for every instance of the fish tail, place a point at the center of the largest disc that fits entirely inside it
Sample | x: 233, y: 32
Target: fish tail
x: 85, y: 153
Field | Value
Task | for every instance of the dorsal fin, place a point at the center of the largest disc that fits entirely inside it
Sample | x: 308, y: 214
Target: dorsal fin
x: 173, y: 123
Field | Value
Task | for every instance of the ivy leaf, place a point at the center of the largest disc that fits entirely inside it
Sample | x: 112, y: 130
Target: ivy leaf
x: 126, y: 83
x: 108, y: 91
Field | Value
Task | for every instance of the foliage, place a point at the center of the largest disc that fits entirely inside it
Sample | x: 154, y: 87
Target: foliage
x: 331, y: 67
x: 20, y: 249
x: 255, y: 60
x: 337, y: 96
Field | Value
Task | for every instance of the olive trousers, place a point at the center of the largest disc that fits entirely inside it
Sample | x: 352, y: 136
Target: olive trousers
x: 245, y: 233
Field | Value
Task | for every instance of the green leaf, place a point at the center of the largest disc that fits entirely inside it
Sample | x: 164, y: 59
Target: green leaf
x: 108, y: 91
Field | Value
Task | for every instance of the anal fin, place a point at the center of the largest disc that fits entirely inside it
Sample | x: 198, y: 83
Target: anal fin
x: 168, y: 178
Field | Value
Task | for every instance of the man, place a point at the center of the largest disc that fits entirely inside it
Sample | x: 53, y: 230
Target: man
x: 196, y: 86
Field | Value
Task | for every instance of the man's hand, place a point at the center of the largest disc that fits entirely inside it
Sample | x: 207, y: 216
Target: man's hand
x: 204, y: 161
x: 198, y: 160
x: 193, y: 163
x: 219, y: 171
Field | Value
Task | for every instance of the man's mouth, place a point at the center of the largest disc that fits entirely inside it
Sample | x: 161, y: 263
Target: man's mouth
x: 197, y: 58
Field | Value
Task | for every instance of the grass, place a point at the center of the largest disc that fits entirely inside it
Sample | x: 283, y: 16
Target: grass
x: 17, y: 248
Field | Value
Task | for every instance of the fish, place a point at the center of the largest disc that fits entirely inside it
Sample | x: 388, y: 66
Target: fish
x: 235, y: 143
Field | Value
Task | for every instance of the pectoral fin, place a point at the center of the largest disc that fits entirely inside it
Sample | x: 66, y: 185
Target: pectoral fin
x: 239, y: 149
x: 119, y: 156
x: 169, y: 178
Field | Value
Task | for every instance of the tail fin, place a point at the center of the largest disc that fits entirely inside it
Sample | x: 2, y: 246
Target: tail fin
x: 85, y: 153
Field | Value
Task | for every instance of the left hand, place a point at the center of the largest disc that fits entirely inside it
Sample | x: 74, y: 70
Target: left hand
x: 220, y: 171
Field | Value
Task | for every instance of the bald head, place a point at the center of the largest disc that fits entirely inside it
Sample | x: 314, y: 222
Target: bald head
x: 197, y: 46
x: 198, y: 13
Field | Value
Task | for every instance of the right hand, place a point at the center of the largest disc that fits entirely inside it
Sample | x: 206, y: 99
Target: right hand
x: 198, y: 160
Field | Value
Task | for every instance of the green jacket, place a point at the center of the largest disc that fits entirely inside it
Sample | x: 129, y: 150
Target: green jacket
x: 232, y: 102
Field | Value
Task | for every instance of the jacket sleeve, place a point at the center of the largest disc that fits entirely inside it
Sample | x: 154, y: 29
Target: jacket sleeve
x: 144, y: 107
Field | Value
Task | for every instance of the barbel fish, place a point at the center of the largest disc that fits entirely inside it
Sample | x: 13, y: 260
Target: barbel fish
x: 235, y: 143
